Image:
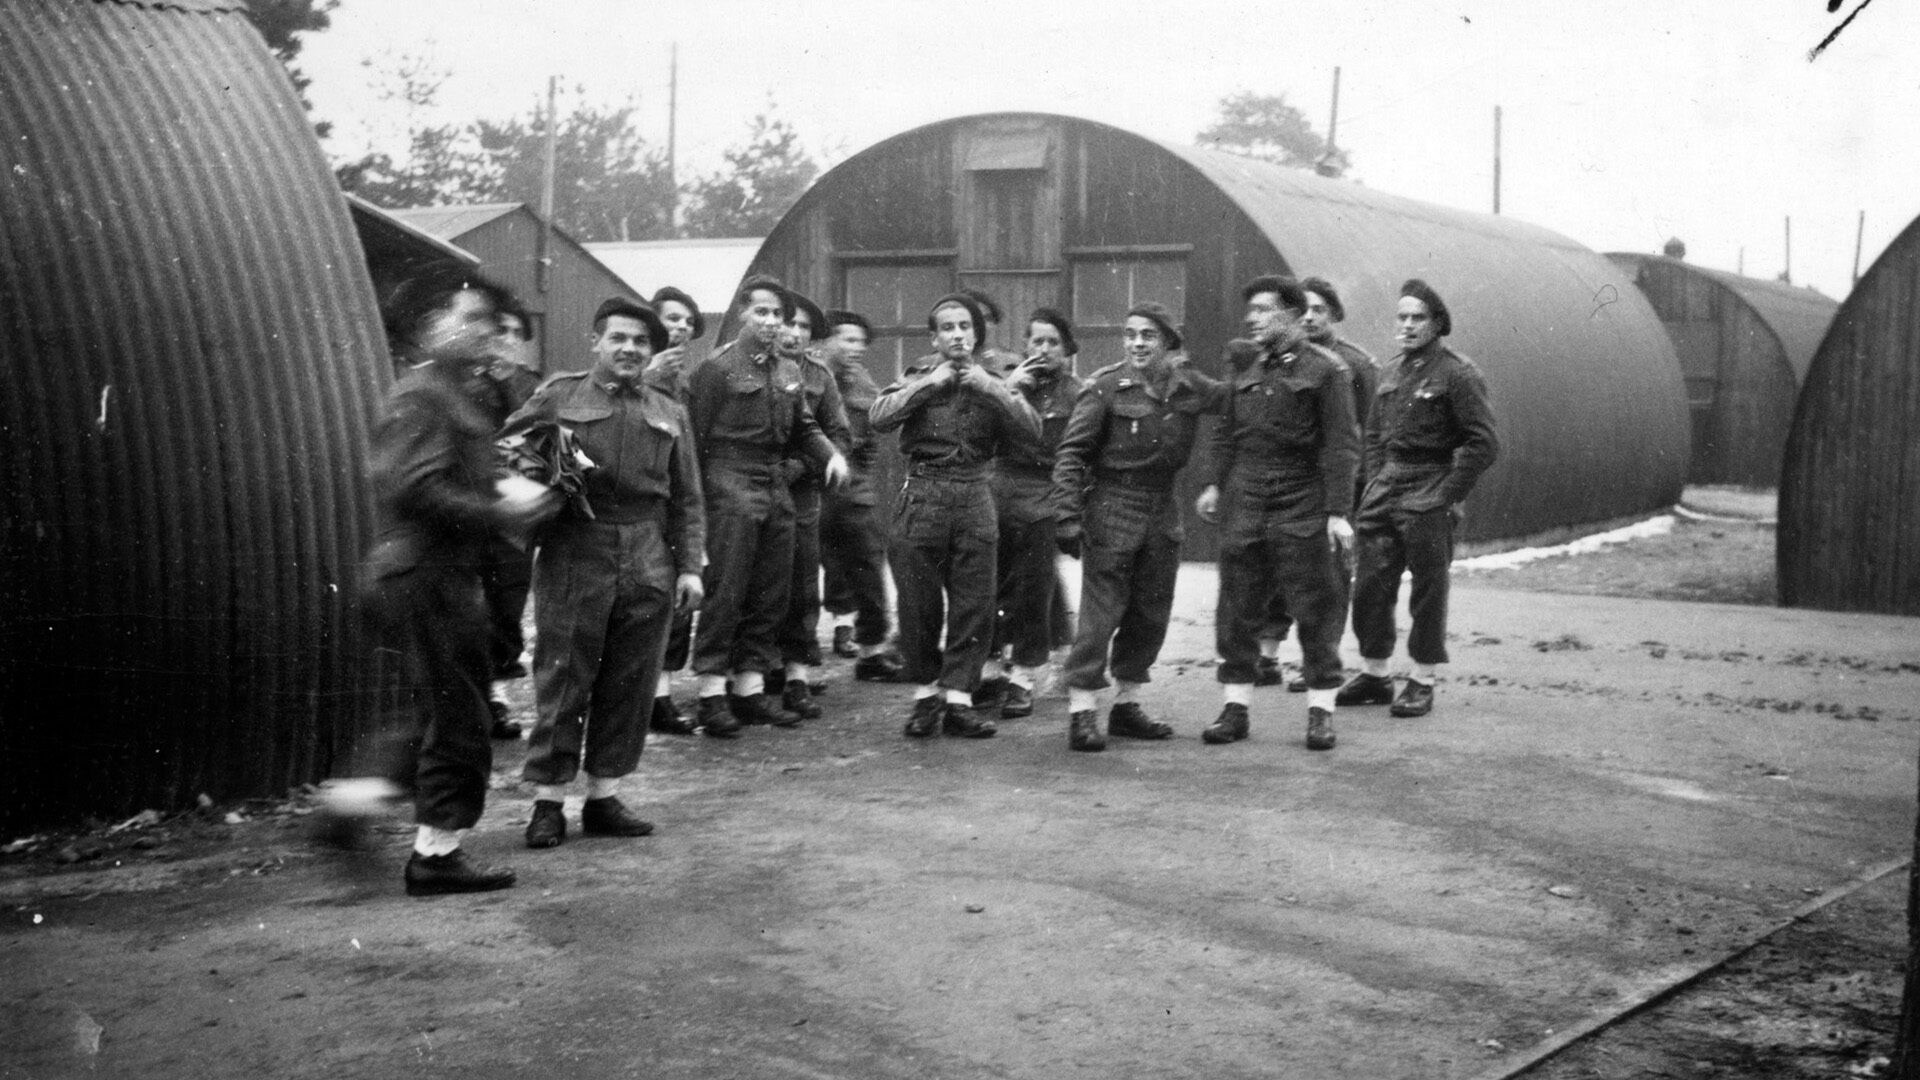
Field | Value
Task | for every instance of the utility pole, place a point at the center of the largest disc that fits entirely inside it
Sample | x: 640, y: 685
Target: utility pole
x: 1859, y: 236
x: 1496, y: 159
x: 545, y: 266
x: 673, y: 129
x: 1786, y: 271
x: 1326, y: 166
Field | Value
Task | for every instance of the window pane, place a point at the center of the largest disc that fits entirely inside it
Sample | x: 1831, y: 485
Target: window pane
x: 1100, y: 292
x: 1164, y: 280
x: 895, y: 294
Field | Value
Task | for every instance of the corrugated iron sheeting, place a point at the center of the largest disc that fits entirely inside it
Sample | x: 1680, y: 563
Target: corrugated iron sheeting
x: 1585, y: 383
x: 1850, y: 479
x: 1798, y: 317
x: 193, y: 359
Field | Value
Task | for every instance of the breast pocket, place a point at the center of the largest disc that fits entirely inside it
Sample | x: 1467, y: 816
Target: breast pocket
x: 1135, y: 423
x: 1429, y: 414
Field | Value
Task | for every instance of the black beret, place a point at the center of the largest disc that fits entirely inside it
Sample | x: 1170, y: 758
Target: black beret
x: 986, y: 305
x: 1149, y: 309
x: 632, y: 309
x: 964, y: 300
x: 1325, y: 289
x: 668, y: 292
x: 816, y: 322
x: 839, y: 317
x: 1436, y: 307
x: 1289, y: 291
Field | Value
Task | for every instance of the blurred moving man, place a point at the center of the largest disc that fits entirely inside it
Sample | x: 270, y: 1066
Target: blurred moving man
x: 749, y: 418
x: 952, y: 415
x: 852, y: 546
x: 799, y: 633
x: 667, y: 371
x: 441, y: 497
x: 1023, y: 498
x: 1130, y: 434
x: 1323, y: 310
x: 1429, y: 438
x: 1281, y: 485
x: 606, y: 587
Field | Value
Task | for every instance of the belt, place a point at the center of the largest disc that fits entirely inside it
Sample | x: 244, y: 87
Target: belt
x: 1420, y: 457
x: 964, y: 474
x: 745, y: 455
x: 1138, y: 479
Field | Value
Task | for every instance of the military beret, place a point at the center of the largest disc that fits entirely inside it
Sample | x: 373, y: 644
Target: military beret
x: 632, y: 309
x: 1436, y: 307
x: 1149, y: 309
x: 816, y: 322
x: 668, y: 292
x: 1326, y: 292
x: 1289, y: 291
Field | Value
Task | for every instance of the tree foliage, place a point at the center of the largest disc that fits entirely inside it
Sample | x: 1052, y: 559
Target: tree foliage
x: 282, y: 23
x: 1264, y: 126
x: 608, y: 184
x: 762, y: 179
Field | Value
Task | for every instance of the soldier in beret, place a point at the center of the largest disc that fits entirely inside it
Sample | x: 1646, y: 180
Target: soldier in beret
x: 853, y: 546
x: 1281, y: 484
x: 799, y: 633
x: 1430, y: 436
x: 750, y: 419
x: 952, y: 415
x: 1131, y: 432
x: 605, y: 587
x: 1323, y: 310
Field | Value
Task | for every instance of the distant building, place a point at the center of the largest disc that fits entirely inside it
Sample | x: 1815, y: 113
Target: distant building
x: 396, y: 249
x: 1850, y: 479
x: 507, y: 237
x: 707, y: 270
x: 1744, y: 346
x: 1042, y: 209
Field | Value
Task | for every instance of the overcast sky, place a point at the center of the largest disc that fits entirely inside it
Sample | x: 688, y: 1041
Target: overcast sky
x: 1625, y: 122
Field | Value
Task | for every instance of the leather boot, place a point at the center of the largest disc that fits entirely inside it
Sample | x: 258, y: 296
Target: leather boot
x: 1083, y: 732
x: 1232, y: 725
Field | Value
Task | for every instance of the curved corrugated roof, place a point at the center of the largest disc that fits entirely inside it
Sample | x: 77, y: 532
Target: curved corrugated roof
x: 193, y: 359
x: 1797, y: 317
x: 1587, y: 388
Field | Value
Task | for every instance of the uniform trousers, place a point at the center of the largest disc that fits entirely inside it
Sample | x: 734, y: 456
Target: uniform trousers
x: 1269, y: 553
x: 506, y: 578
x: 1394, y: 540
x: 1029, y: 579
x: 943, y: 551
x: 799, y: 634
x: 750, y: 536
x: 430, y: 623
x: 1130, y: 559
x: 602, y: 601
x: 852, y: 551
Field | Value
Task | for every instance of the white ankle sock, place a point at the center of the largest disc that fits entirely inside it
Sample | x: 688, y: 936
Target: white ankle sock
x: 1375, y: 667
x: 960, y: 698
x: 428, y: 840
x: 712, y: 685
x: 1022, y: 677
x: 926, y: 690
x: 550, y: 792
x: 1321, y: 699
x: 1079, y: 700
x: 663, y: 686
x: 1127, y: 693
x: 799, y: 673
x: 872, y: 650
x: 749, y: 683
x: 1270, y: 648
x: 1423, y: 674
x: 843, y: 620
x: 1236, y: 693
x: 602, y: 787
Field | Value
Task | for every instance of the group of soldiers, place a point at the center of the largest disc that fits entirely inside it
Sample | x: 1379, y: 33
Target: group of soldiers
x: 683, y: 511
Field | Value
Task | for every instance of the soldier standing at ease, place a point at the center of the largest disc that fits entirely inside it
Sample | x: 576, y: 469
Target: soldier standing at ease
x: 1429, y: 438
x: 952, y: 414
x: 605, y: 588
x: 1023, y: 498
x: 799, y: 634
x: 749, y: 418
x: 853, y: 550
x: 667, y: 371
x: 1130, y: 434
x: 1283, y: 463
x: 1323, y: 310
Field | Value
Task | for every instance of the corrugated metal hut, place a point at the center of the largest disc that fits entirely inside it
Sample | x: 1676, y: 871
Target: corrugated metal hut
x: 1849, y: 537
x: 1744, y: 346
x: 395, y: 249
x: 561, y: 296
x: 1044, y: 209
x: 192, y: 359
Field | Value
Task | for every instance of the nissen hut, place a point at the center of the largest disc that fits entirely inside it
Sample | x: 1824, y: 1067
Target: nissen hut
x: 1744, y: 346
x: 1042, y: 209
